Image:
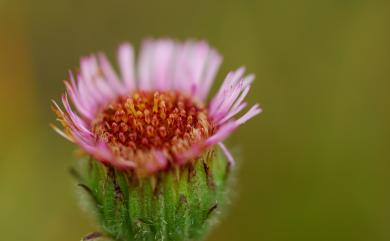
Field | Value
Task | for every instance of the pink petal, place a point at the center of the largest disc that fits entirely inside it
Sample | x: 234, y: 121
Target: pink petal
x: 224, y: 131
x: 110, y: 74
x: 76, y: 121
x: 229, y: 81
x: 232, y: 113
x: 213, y: 63
x: 126, y: 63
x: 227, y: 153
x: 163, y: 64
x: 144, y: 65
x: 255, y: 110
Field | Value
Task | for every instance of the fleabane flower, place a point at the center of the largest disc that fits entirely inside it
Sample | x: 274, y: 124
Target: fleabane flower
x: 150, y: 120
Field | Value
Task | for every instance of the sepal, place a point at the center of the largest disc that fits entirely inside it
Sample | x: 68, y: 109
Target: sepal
x: 179, y: 204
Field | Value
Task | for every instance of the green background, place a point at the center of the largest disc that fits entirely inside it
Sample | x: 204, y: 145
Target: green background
x: 314, y: 166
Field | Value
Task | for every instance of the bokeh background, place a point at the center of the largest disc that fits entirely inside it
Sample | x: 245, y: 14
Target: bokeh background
x: 313, y: 167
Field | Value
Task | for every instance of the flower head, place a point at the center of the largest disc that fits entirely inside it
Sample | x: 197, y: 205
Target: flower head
x: 153, y: 115
x: 147, y: 121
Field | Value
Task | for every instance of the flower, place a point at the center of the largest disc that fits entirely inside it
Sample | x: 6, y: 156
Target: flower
x: 154, y: 171
x: 155, y: 114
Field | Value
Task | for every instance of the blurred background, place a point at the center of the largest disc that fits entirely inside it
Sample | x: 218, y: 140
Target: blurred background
x: 313, y: 167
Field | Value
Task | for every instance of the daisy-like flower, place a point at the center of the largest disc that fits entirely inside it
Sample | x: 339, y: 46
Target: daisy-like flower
x: 155, y: 114
x: 158, y: 166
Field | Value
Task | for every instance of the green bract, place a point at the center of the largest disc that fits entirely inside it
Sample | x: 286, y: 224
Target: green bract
x: 176, y: 205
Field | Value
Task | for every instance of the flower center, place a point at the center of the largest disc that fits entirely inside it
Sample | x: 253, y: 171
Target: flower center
x: 147, y: 120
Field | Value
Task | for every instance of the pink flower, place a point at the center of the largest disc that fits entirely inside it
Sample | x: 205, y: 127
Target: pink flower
x: 154, y: 114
